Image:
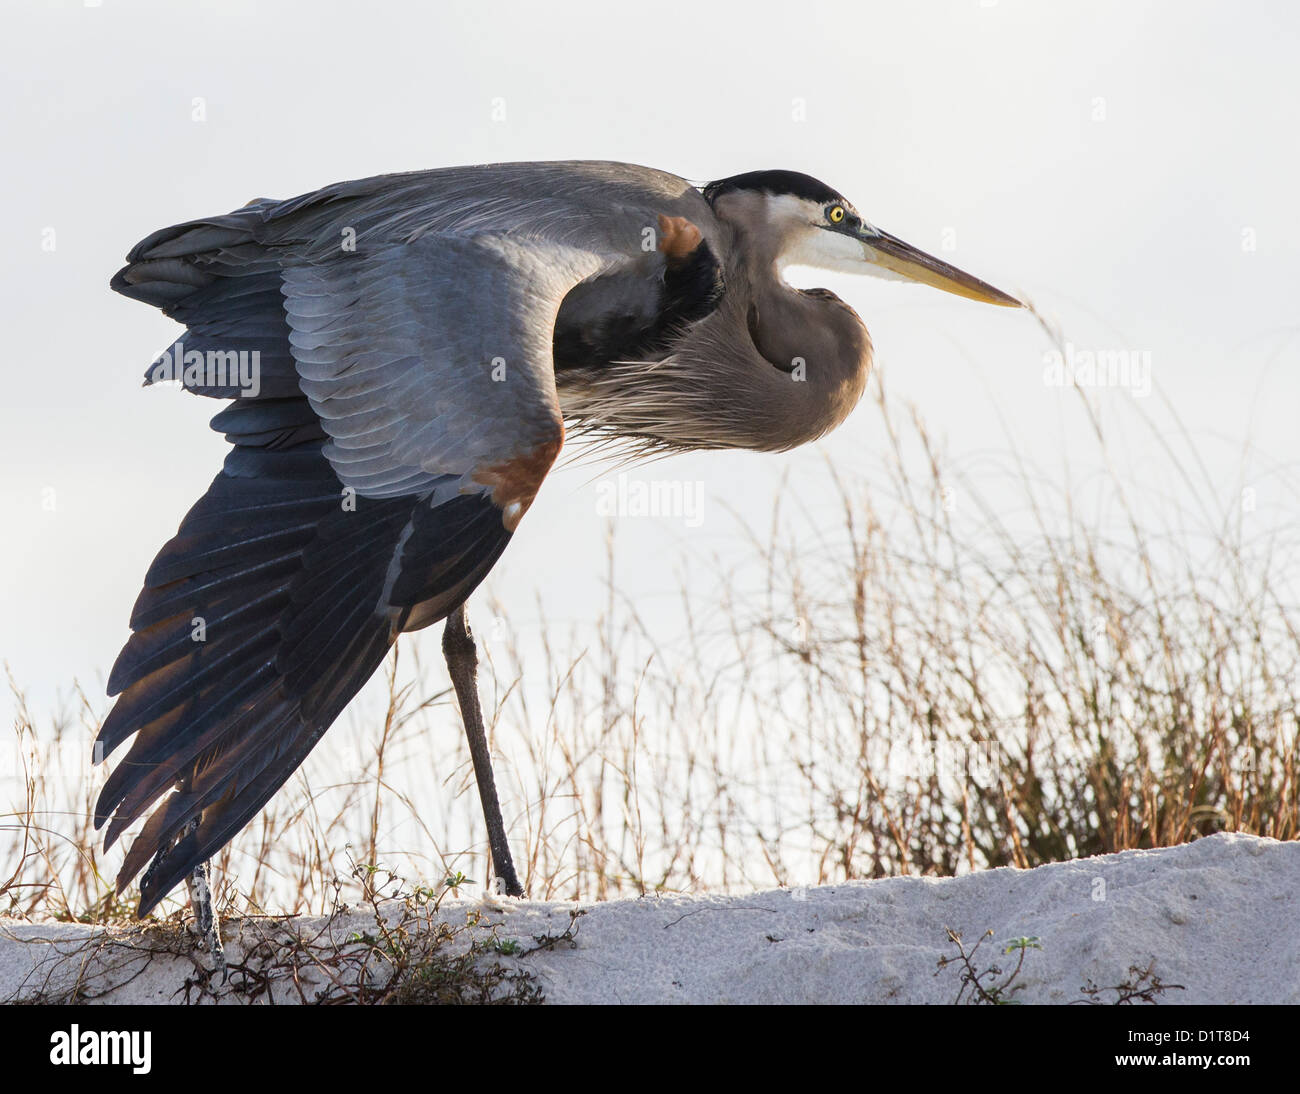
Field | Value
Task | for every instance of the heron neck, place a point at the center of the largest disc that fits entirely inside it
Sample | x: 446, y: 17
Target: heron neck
x: 819, y: 353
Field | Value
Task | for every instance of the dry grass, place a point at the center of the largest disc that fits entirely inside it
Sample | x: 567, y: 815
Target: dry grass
x: 949, y: 675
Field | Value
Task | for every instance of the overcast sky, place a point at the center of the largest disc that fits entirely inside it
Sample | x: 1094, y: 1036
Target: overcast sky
x: 1131, y: 168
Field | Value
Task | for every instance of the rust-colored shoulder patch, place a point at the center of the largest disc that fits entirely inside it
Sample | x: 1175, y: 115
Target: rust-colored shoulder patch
x: 678, y: 237
x: 514, y: 482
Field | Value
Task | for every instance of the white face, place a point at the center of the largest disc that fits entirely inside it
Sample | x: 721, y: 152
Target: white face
x: 835, y: 237
x: 812, y: 240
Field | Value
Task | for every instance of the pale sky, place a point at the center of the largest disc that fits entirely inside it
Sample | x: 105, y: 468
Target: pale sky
x: 1131, y: 168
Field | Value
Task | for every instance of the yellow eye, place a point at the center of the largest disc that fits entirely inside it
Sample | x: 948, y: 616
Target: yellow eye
x: 835, y: 214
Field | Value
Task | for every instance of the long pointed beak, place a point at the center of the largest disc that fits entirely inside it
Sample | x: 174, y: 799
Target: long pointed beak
x: 904, y: 260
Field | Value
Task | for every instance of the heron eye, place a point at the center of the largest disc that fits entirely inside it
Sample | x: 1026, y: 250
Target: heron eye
x: 835, y: 214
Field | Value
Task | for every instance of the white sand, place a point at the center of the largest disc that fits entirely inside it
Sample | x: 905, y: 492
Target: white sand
x: 1218, y: 916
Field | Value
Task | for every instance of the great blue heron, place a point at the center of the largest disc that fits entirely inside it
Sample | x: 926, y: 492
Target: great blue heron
x: 413, y: 346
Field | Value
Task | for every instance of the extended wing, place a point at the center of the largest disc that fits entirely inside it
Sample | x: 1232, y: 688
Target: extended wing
x: 403, y: 417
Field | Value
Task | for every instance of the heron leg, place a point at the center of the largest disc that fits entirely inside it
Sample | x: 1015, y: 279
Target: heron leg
x: 207, y: 925
x: 462, y: 663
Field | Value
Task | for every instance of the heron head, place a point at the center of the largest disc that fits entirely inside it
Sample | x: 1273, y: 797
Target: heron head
x: 795, y: 220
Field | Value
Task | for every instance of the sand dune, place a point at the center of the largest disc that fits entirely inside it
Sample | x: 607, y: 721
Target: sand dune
x: 1217, y: 917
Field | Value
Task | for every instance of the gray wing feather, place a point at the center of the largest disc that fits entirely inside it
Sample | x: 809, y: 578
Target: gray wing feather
x: 401, y: 290
x: 430, y: 358
x: 426, y: 350
x: 596, y: 205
